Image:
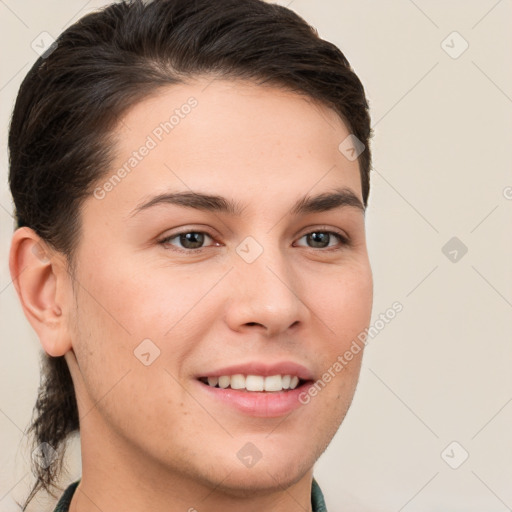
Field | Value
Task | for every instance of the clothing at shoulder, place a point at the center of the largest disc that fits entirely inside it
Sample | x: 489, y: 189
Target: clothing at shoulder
x: 65, y: 499
x: 317, y: 498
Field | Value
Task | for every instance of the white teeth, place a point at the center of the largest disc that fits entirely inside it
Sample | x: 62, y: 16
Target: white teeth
x: 274, y: 383
x: 294, y: 382
x: 238, y: 381
x: 224, y: 381
x: 255, y: 382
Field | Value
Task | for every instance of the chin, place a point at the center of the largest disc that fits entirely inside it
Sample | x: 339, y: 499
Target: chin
x: 260, y: 480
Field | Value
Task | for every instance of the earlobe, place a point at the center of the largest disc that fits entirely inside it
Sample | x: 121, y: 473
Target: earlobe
x: 40, y: 278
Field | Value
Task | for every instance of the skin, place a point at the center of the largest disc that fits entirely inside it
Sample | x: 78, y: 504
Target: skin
x: 149, y: 439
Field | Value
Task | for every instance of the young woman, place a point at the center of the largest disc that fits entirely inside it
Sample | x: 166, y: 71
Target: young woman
x: 190, y: 180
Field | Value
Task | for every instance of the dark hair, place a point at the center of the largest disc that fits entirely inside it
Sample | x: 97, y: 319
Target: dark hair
x: 60, y: 139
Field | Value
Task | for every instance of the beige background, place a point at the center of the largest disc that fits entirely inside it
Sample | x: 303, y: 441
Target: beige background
x: 440, y: 371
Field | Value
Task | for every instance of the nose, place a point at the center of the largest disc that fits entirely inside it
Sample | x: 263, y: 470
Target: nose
x: 266, y: 294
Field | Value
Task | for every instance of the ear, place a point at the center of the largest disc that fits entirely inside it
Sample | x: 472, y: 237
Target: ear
x: 43, y: 285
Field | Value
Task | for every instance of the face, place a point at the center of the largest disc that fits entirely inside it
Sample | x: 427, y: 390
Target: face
x: 175, y: 290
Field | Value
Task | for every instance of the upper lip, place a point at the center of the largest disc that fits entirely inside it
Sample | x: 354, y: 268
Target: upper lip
x: 263, y: 369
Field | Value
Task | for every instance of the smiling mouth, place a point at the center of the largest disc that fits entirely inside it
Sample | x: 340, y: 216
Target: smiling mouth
x: 254, y: 383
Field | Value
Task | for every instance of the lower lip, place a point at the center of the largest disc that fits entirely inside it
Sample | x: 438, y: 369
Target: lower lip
x: 262, y: 404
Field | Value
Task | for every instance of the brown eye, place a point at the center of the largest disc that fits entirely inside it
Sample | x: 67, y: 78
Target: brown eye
x: 322, y: 239
x: 189, y: 240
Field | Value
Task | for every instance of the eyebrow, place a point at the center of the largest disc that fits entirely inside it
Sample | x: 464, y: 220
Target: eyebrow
x: 338, y: 198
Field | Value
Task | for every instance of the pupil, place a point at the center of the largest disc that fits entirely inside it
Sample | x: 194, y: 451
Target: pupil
x: 196, y: 239
x: 317, y: 238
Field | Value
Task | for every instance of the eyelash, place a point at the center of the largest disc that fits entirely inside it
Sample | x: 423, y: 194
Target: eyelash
x: 344, y: 241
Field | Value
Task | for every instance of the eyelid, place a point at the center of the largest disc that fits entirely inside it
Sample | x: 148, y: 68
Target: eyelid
x: 164, y: 241
x: 344, y: 240
x: 328, y: 229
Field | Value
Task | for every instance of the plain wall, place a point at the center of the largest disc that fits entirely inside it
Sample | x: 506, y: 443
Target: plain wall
x: 439, y: 372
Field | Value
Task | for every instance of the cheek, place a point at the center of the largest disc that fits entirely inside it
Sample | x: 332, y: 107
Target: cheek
x: 125, y: 312
x: 136, y: 299
x: 343, y: 300
x: 343, y: 307
x: 117, y: 384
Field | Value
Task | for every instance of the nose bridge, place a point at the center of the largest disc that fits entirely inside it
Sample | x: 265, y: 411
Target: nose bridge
x: 265, y: 291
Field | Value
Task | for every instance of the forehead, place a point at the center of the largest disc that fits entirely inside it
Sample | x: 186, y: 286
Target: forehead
x: 223, y: 136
